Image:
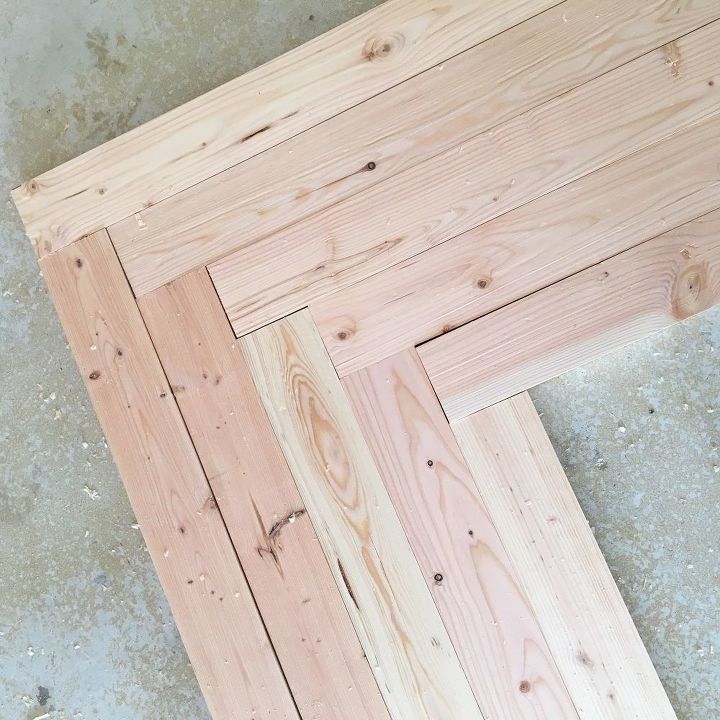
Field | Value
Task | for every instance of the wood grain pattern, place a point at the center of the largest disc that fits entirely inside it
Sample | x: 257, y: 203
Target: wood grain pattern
x: 589, y: 630
x: 290, y: 579
x: 480, y: 599
x: 256, y: 111
x: 602, y: 121
x: 399, y: 627
x: 185, y: 534
x: 559, y: 234
x: 447, y: 105
x: 616, y: 302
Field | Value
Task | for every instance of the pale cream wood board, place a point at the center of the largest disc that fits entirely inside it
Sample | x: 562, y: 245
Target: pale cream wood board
x: 295, y: 591
x: 585, y: 621
x: 423, y: 116
x: 636, y: 293
x: 604, y: 120
x: 250, y: 114
x: 481, y: 601
x: 222, y: 631
x: 606, y: 212
x: 394, y: 614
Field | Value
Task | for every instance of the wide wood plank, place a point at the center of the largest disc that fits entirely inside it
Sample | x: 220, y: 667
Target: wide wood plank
x: 586, y: 624
x: 185, y: 534
x: 399, y: 626
x: 289, y: 576
x: 474, y: 584
x: 256, y: 111
x: 559, y: 234
x: 438, y: 109
x: 604, y: 120
x: 616, y: 302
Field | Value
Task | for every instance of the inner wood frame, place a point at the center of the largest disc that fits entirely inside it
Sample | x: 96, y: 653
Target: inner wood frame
x: 191, y: 413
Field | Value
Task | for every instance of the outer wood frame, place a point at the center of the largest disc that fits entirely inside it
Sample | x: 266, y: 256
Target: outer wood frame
x: 185, y: 534
x: 252, y: 113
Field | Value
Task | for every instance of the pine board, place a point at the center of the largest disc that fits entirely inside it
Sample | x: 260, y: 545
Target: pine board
x: 616, y: 302
x: 448, y: 104
x: 394, y: 614
x: 275, y: 541
x: 585, y: 621
x: 185, y: 534
x: 547, y: 240
x: 477, y: 591
x: 252, y: 113
x: 621, y: 112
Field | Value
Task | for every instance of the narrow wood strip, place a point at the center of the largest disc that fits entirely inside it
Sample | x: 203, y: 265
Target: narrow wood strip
x: 609, y: 305
x: 559, y: 234
x: 483, y: 87
x: 291, y: 581
x: 185, y: 534
x: 602, y: 121
x: 242, y: 118
x: 399, y: 626
x: 591, y: 634
x: 488, y: 617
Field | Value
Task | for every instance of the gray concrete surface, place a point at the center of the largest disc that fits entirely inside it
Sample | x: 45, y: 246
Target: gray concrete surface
x: 85, y: 631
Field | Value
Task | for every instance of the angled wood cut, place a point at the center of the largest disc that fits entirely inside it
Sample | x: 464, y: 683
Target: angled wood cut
x: 307, y: 305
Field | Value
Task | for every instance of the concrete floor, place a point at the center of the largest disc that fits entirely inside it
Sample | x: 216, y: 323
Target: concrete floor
x: 85, y: 631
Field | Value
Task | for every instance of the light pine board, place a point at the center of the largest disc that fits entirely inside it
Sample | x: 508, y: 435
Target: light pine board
x: 616, y: 302
x: 604, y: 120
x: 561, y: 233
x: 449, y: 104
x: 577, y: 603
x: 394, y: 614
x: 224, y: 636
x: 476, y: 589
x: 295, y: 591
x: 252, y: 113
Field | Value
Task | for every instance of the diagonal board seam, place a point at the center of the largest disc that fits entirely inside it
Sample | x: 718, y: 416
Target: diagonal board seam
x: 357, y: 325
x: 681, y: 278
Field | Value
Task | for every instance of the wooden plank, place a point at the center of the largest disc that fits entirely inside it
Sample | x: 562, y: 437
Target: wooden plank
x: 616, y: 302
x: 591, y: 634
x: 290, y: 579
x: 399, y: 626
x: 478, y: 594
x: 252, y: 113
x: 558, y: 234
x: 447, y: 105
x: 602, y: 121
x: 185, y: 534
